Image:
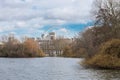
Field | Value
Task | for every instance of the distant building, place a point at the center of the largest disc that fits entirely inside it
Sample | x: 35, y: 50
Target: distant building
x: 50, y: 36
x: 52, y: 45
x: 12, y: 39
x: 1, y: 44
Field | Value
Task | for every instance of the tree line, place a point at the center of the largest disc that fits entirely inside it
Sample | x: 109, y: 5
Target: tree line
x: 12, y: 47
x: 100, y: 44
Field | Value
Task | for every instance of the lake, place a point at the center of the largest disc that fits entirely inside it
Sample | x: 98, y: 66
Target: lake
x: 51, y: 68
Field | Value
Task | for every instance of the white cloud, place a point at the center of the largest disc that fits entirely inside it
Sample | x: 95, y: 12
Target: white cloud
x: 21, y: 24
x: 27, y: 14
x: 63, y: 30
x: 47, y: 9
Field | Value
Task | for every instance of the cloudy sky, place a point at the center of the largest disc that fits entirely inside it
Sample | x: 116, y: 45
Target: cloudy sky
x: 34, y: 17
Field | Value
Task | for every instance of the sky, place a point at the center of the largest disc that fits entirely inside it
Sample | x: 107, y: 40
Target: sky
x: 35, y: 17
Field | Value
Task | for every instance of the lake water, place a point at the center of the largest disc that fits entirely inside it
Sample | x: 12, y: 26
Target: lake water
x: 51, y: 68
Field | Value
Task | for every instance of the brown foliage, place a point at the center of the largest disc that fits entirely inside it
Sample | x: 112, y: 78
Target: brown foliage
x: 93, y: 37
x: 67, y: 52
x: 111, y: 47
x: 32, y: 48
x: 29, y: 48
x: 81, y: 52
x: 107, y: 57
x: 102, y: 61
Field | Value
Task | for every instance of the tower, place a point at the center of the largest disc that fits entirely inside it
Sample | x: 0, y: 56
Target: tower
x: 52, y: 35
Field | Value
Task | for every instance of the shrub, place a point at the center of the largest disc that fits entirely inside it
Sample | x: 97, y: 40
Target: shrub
x: 29, y: 48
x: 111, y: 47
x: 102, y: 61
x: 81, y: 53
x: 67, y: 52
x: 107, y: 57
x: 32, y: 49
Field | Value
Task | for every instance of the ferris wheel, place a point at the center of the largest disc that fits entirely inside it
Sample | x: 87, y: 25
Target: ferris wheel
x: 70, y: 34
x: 43, y: 36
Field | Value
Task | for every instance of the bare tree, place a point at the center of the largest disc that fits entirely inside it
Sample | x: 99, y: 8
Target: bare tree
x: 107, y: 12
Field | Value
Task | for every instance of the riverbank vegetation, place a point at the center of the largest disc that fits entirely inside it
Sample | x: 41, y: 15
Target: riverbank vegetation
x: 67, y: 52
x: 102, y: 42
x: 74, y: 51
x: 107, y: 57
x: 12, y: 47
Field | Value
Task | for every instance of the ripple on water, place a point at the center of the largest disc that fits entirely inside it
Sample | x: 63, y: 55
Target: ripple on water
x: 51, y: 68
